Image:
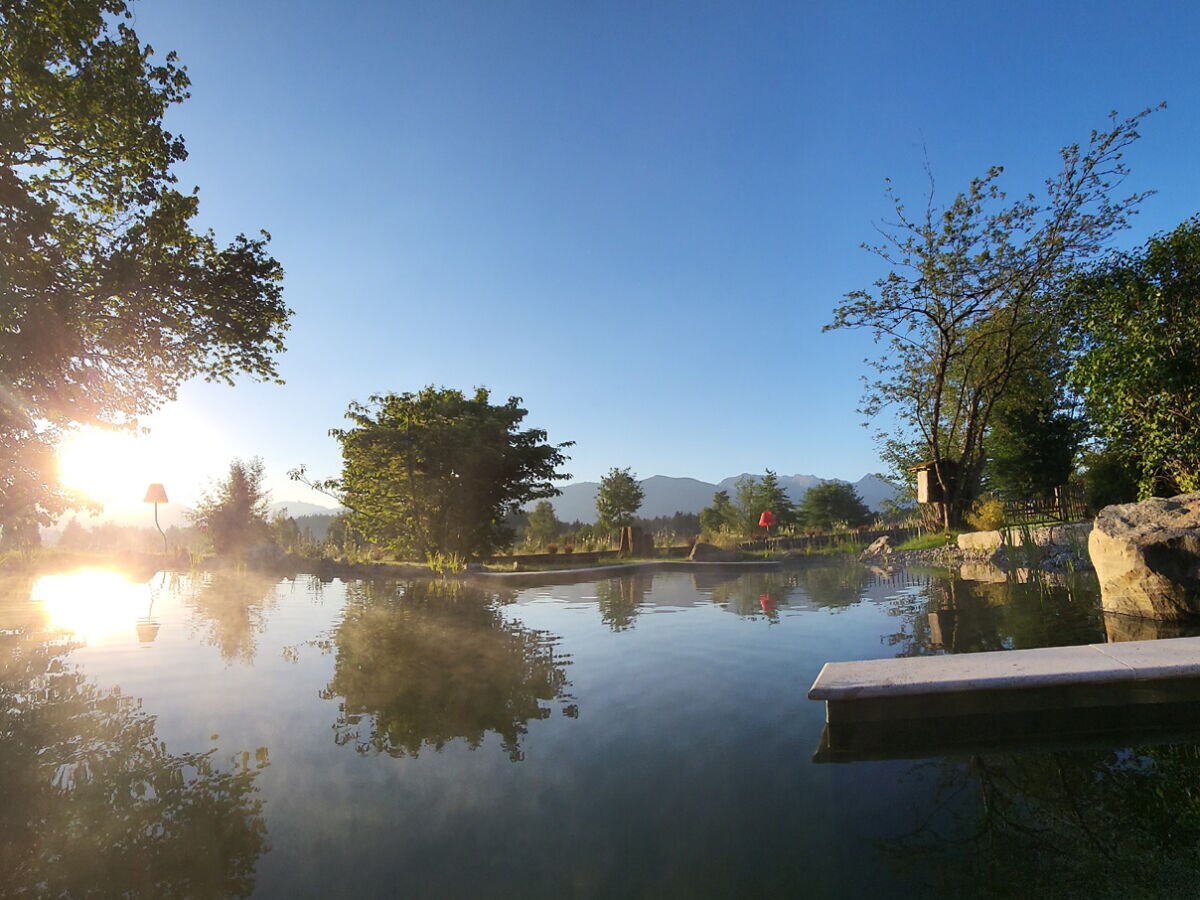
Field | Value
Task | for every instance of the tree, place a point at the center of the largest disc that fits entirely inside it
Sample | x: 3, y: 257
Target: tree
x: 721, y: 516
x: 1035, y: 434
x: 543, y: 524
x: 234, y: 513
x: 767, y: 495
x: 618, y: 499
x: 833, y: 502
x: 436, y: 472
x: 970, y: 300
x: 1136, y: 330
x: 109, y: 298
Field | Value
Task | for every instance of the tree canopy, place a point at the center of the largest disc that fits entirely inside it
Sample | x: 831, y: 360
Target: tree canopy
x: 110, y: 298
x: 1136, y: 329
x: 234, y: 513
x: 436, y: 472
x: 618, y: 499
x: 833, y: 502
x: 971, y: 297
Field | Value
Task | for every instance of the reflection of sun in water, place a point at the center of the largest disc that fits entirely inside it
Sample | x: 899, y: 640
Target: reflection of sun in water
x: 92, y: 604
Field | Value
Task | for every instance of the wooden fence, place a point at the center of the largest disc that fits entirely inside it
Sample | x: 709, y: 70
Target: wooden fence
x: 1066, y: 505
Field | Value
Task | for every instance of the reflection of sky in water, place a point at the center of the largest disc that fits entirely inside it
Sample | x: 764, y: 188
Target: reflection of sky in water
x: 661, y: 722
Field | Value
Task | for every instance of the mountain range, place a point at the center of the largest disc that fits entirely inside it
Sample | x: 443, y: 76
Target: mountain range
x: 665, y: 496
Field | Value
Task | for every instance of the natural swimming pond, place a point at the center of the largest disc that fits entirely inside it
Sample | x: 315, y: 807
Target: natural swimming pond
x: 640, y: 735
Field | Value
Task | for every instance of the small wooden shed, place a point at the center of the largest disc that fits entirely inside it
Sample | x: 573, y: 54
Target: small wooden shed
x: 929, y: 489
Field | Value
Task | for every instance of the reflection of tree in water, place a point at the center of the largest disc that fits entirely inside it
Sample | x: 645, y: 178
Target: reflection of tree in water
x: 230, y: 609
x: 1067, y: 824
x: 970, y: 616
x: 831, y: 584
x: 619, y: 598
x: 755, y: 593
x: 428, y: 662
x: 835, y: 584
x: 95, y: 804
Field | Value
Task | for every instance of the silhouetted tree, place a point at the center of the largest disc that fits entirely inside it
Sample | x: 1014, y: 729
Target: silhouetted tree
x: 234, y: 514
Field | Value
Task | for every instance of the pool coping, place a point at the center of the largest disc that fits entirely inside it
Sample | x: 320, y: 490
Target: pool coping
x: 1006, y: 681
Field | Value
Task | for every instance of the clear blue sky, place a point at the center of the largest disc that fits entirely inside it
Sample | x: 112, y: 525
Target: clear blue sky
x: 636, y: 216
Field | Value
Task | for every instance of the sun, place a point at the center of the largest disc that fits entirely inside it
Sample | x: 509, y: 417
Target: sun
x: 103, y: 465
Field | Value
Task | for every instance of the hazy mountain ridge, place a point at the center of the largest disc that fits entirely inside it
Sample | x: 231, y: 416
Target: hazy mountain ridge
x: 666, y: 496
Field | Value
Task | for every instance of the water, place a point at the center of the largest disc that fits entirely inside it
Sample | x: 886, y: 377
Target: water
x: 647, y: 735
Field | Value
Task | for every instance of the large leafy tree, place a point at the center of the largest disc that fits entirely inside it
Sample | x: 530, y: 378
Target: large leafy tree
x: 618, y: 499
x: 833, y: 502
x: 1136, y: 325
x: 967, y: 302
x: 436, y: 472
x: 110, y: 298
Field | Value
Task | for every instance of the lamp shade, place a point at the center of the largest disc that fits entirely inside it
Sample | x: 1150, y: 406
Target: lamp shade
x: 766, y: 520
x: 156, y: 493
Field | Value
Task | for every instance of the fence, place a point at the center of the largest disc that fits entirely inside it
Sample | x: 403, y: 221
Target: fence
x: 1067, y: 505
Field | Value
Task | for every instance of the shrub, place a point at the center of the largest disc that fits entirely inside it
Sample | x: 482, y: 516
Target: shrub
x: 987, y: 513
x: 568, y: 548
x: 552, y: 549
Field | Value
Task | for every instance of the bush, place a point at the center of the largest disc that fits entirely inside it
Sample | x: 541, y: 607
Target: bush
x: 987, y: 513
x: 552, y: 549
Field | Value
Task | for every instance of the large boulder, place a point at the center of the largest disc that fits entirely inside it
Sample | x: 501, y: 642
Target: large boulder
x: 1147, y: 557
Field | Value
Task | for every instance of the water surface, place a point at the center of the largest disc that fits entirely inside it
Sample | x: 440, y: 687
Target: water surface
x: 639, y: 735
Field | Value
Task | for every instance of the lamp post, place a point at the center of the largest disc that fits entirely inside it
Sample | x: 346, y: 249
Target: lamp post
x: 766, y: 520
x: 157, y: 494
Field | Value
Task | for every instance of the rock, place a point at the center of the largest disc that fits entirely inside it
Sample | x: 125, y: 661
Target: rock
x: 881, y: 548
x: 982, y: 542
x: 1147, y: 557
x: 709, y: 553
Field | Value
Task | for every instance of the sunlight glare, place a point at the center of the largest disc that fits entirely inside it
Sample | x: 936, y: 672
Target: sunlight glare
x: 104, y: 465
x: 92, y: 604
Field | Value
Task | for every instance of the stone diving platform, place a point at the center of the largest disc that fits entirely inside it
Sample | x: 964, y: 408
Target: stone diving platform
x: 931, y: 705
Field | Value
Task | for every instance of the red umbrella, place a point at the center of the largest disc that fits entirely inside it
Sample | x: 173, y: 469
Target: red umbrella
x: 766, y: 520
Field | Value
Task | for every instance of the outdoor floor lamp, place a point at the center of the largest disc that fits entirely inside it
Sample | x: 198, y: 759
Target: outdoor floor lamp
x: 157, y: 494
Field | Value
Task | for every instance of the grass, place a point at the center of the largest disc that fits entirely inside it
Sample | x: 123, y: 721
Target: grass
x: 934, y: 540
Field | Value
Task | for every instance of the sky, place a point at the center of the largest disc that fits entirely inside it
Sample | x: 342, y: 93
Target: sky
x: 635, y: 216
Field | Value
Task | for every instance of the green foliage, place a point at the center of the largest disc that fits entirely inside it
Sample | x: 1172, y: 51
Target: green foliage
x: 765, y: 495
x: 437, y: 471
x: 833, y: 502
x: 1109, y: 477
x: 543, y: 524
x: 721, y: 516
x: 1137, y: 330
x: 234, y: 514
x: 109, y: 297
x: 618, y: 499
x: 1035, y: 433
x: 446, y: 563
x: 932, y: 540
x: 987, y: 513
x: 968, y: 303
